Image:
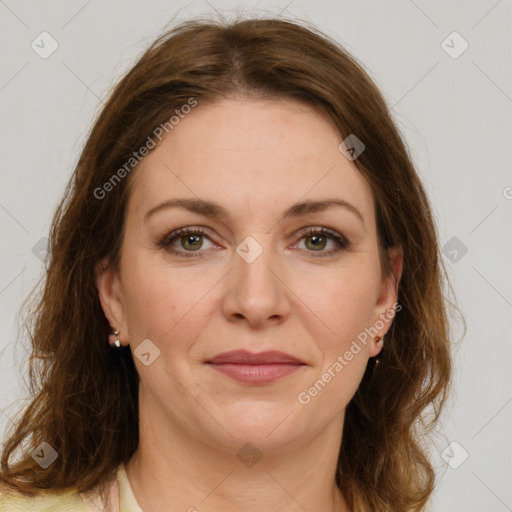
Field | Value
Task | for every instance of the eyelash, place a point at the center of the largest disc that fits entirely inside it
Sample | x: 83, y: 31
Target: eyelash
x: 165, y: 242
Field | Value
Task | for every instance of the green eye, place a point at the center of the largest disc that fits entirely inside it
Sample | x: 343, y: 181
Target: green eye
x: 317, y: 242
x: 191, y: 242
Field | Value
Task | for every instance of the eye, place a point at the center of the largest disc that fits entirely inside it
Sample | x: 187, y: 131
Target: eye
x: 191, y: 241
x: 317, y: 239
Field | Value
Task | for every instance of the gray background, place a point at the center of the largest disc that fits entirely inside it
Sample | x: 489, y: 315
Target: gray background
x: 455, y: 114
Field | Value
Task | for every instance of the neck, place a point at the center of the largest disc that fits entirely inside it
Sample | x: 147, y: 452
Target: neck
x: 174, y: 472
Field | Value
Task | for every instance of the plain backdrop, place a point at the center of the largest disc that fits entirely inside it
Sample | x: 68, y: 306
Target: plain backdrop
x: 444, y: 68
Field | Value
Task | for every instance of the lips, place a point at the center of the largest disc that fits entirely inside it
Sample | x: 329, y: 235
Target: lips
x: 255, y: 369
x: 248, y: 358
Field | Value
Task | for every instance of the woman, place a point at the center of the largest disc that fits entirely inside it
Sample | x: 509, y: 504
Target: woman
x: 243, y: 307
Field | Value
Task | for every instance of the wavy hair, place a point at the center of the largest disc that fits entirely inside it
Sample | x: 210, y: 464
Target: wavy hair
x: 85, y: 394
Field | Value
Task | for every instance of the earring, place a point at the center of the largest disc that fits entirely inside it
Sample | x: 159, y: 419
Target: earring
x: 378, y: 339
x: 117, y: 343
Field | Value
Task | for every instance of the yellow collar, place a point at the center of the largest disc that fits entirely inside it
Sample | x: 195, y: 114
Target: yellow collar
x: 120, y: 495
x: 127, y: 500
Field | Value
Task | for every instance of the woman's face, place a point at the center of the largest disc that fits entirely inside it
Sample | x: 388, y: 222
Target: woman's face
x: 253, y: 176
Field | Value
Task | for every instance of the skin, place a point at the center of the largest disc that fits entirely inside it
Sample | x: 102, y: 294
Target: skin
x: 256, y: 158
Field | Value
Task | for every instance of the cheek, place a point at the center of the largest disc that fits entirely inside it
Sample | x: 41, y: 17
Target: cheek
x: 349, y: 307
x: 345, y: 311
x: 147, y: 295
x: 159, y: 302
x: 342, y: 305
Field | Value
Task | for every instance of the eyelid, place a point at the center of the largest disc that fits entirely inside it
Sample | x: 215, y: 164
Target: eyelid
x: 319, y: 228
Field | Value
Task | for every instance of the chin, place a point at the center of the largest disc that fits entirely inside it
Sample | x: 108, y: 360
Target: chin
x: 264, y: 424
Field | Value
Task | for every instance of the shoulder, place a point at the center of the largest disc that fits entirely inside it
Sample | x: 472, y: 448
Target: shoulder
x: 46, y: 501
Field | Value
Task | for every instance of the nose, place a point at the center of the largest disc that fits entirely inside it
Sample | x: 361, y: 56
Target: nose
x: 257, y: 293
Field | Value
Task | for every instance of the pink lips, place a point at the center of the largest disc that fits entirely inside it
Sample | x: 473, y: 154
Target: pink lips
x: 255, y: 369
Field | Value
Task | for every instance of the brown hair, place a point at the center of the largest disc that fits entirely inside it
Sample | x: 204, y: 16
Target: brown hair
x: 85, y: 402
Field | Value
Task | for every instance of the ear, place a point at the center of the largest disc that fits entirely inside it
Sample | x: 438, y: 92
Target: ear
x: 109, y: 292
x: 385, y: 308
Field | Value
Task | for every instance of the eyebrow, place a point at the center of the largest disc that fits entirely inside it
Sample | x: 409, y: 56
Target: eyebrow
x: 212, y: 209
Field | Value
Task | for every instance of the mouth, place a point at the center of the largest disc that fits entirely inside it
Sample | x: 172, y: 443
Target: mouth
x: 255, y: 369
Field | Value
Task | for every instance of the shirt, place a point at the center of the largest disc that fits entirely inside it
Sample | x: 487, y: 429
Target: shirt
x: 121, y: 495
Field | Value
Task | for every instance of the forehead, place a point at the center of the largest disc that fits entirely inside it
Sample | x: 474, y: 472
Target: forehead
x: 253, y: 156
